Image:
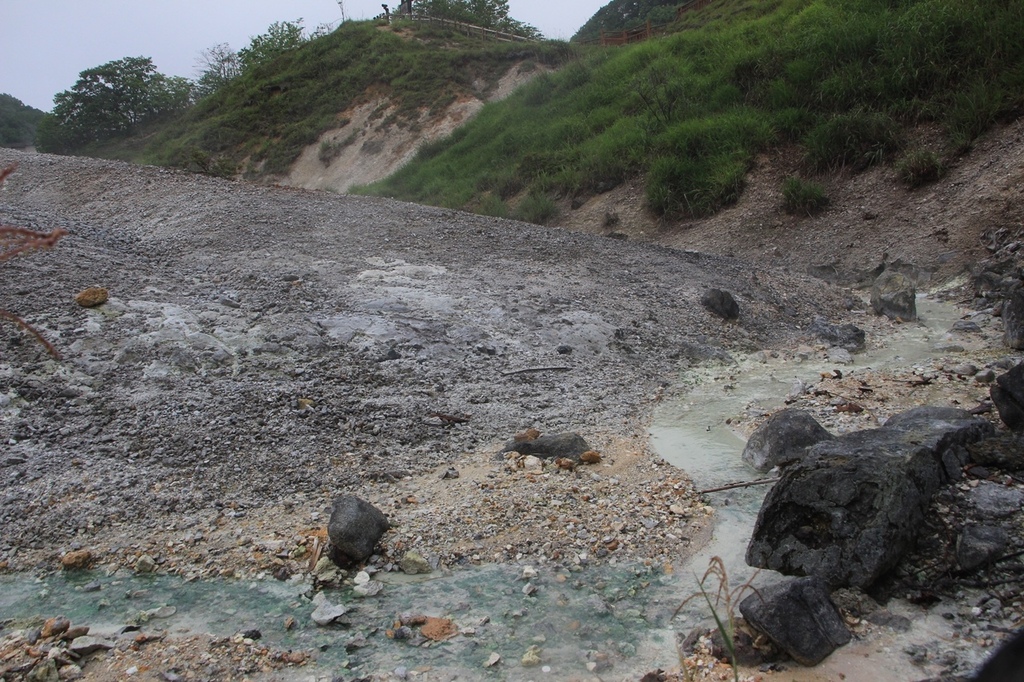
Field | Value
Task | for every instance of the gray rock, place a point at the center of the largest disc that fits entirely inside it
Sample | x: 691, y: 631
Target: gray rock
x: 1008, y: 396
x: 847, y: 336
x: 840, y: 356
x: 354, y: 528
x: 325, y: 612
x: 782, y: 439
x: 1013, y: 319
x: 888, y: 619
x: 995, y: 501
x: 567, y: 445
x: 1003, y: 451
x: 799, y: 617
x: 979, y: 545
x: 893, y: 294
x: 88, y: 644
x: 721, y: 303
x: 854, y: 504
x: 1007, y: 664
x: 413, y: 562
x: 965, y: 327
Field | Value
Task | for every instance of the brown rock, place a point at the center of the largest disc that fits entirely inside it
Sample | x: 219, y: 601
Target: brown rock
x: 438, y: 629
x: 565, y: 463
x: 92, y: 297
x: 527, y: 435
x: 55, y: 626
x: 77, y: 559
x: 75, y: 631
x: 590, y: 457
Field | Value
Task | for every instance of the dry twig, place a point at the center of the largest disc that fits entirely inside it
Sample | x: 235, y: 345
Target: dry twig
x: 17, y: 240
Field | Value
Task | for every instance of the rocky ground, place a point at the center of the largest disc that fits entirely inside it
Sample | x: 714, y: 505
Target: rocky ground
x: 264, y: 350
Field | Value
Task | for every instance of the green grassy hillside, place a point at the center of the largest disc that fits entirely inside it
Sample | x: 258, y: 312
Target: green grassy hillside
x: 843, y: 79
x: 261, y: 121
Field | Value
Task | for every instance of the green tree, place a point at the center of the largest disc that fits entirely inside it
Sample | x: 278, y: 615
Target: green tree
x: 111, y: 100
x: 487, y: 13
x: 18, y: 122
x: 217, y: 66
x: 280, y: 37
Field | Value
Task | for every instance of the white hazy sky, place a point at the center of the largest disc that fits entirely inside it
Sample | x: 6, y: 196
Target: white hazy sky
x: 45, y: 44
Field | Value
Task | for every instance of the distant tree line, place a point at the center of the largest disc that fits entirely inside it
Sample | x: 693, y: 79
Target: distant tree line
x: 18, y: 122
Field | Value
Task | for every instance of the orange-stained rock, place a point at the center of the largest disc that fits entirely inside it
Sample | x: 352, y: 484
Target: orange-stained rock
x: 78, y: 559
x: 92, y: 297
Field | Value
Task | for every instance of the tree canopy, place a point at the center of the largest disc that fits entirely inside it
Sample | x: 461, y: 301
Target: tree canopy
x: 491, y: 14
x: 18, y: 122
x: 109, y: 101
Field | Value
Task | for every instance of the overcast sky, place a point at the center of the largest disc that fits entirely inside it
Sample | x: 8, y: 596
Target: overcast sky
x: 47, y: 43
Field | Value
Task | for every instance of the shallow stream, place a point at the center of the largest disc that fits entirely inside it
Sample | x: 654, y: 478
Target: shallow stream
x: 578, y: 620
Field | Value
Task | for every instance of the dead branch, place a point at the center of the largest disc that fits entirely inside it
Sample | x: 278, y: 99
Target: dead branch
x: 745, y: 484
x: 557, y: 368
x: 16, y: 240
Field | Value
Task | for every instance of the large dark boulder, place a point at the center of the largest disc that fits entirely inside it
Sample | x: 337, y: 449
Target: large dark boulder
x: 1013, y: 319
x: 784, y: 438
x: 354, y: 529
x: 721, y: 303
x: 1007, y: 395
x: 567, y: 445
x: 893, y: 294
x: 799, y: 617
x: 848, y: 336
x: 1006, y: 664
x: 852, y: 507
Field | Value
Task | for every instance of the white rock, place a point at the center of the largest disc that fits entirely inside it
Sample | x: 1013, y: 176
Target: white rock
x: 326, y: 612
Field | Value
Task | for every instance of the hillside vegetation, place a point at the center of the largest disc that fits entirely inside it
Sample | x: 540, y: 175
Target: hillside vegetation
x: 260, y: 121
x: 844, y: 79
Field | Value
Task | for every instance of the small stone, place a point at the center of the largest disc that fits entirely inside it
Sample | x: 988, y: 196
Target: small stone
x: 532, y: 463
x: 289, y: 623
x: 438, y: 629
x: 529, y: 588
x: 531, y: 657
x: 326, y: 612
x: 527, y: 435
x: 529, y: 572
x: 413, y: 563
x: 985, y: 376
x: 162, y: 612
x: 92, y: 297
x: 145, y: 564
x: 840, y: 356
x: 76, y: 560
x: 362, y: 577
x: 75, y: 631
x: 368, y: 589
x: 55, y: 626
x: 69, y: 672
x: 88, y: 644
x: 590, y: 457
x: 492, y: 660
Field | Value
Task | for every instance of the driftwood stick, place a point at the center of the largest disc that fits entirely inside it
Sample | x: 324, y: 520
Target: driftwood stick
x: 557, y: 368
x: 745, y: 484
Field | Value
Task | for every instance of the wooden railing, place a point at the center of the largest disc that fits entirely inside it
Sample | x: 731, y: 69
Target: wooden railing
x: 468, y: 29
